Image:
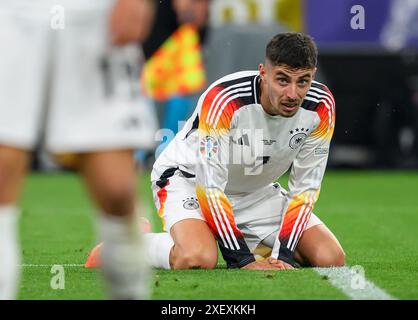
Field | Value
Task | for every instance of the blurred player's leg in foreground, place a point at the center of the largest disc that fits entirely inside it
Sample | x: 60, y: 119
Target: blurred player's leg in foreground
x: 13, y: 164
x: 111, y: 180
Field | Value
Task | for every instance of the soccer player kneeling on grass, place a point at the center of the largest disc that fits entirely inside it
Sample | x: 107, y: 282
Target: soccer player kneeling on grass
x: 215, y: 182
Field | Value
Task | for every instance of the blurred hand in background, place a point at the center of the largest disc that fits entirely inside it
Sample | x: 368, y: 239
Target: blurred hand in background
x: 192, y: 11
x: 131, y: 21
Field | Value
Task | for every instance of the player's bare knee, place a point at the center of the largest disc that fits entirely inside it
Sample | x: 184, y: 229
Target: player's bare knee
x: 328, y: 258
x: 339, y: 258
x: 195, y: 259
x: 200, y: 261
x: 208, y: 260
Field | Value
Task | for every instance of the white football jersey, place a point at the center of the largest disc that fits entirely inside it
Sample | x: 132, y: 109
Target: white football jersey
x: 233, y: 147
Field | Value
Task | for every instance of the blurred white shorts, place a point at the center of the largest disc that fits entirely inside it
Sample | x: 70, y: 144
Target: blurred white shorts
x: 258, y: 215
x: 69, y: 86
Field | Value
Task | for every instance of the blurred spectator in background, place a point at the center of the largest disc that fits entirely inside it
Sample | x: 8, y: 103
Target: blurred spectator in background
x: 398, y: 35
x: 402, y: 24
x: 174, y: 71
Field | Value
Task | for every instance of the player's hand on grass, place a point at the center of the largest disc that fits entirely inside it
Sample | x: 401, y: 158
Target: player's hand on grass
x: 279, y: 263
x: 268, y: 264
x: 130, y: 21
x: 260, y: 265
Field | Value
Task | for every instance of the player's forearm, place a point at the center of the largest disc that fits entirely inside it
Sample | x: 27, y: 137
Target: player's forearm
x: 236, y: 259
x: 304, y: 186
x: 294, y: 222
x: 218, y: 214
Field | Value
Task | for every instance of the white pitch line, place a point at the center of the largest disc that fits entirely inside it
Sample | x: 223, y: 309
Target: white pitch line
x: 357, y: 289
x: 50, y: 265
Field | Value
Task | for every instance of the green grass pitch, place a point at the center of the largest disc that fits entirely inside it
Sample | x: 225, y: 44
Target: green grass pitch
x: 373, y: 214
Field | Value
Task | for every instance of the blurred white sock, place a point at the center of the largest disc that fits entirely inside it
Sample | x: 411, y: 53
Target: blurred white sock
x: 124, y: 266
x: 9, y: 252
x: 158, y: 247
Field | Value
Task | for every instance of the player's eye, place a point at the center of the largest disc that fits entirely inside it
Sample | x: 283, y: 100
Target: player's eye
x: 303, y: 82
x: 282, y: 81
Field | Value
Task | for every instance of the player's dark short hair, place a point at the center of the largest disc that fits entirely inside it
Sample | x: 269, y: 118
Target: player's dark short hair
x: 296, y: 50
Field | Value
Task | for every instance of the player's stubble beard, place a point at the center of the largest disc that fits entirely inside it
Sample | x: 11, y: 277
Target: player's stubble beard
x: 274, y: 107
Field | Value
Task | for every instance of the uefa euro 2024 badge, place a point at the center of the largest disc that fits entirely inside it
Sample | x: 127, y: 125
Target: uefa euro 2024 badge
x: 208, y: 147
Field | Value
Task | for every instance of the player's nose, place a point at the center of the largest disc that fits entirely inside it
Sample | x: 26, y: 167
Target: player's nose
x: 291, y: 92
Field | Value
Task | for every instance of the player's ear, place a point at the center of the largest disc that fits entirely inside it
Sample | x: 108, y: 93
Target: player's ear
x: 314, y: 73
x: 262, y: 71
